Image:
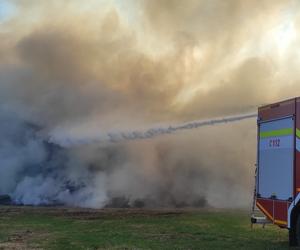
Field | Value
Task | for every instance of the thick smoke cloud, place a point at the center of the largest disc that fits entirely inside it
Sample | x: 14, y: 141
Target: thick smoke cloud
x: 119, y: 66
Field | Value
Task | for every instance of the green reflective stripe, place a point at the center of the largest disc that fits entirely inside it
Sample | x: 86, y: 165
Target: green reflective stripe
x: 279, y: 132
x: 298, y: 133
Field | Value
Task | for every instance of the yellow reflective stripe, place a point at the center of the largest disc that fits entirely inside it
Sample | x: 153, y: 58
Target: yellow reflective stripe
x: 280, y: 222
x: 298, y: 133
x: 279, y: 132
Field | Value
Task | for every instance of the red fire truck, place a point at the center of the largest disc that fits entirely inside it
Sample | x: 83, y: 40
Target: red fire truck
x: 277, y: 191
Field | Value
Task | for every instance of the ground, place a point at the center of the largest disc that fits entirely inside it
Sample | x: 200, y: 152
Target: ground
x: 71, y: 228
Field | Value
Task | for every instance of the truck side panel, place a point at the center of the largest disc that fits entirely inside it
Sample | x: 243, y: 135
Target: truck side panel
x: 281, y: 212
x: 297, y: 153
x: 266, y: 206
x: 275, y: 210
x: 277, y: 110
x: 276, y: 159
x: 274, y: 201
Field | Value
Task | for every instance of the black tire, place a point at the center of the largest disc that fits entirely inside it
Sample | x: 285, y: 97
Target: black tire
x: 297, y: 231
x: 292, y: 237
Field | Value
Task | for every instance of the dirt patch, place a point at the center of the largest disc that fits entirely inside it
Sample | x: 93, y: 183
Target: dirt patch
x: 18, y: 240
x: 89, y: 214
x: 12, y: 246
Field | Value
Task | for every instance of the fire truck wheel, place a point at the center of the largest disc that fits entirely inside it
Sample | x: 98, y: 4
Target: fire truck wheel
x: 292, y: 237
x: 298, y: 230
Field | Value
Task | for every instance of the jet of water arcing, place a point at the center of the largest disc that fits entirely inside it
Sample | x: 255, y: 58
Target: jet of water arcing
x: 119, y: 136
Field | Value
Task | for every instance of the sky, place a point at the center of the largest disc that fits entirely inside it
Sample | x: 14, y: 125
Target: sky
x: 79, y: 69
x: 6, y: 10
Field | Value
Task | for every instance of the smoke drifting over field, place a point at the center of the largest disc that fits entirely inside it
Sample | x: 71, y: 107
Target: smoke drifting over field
x: 72, y: 70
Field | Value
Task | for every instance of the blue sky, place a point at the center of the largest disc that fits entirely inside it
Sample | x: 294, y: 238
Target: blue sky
x: 6, y: 9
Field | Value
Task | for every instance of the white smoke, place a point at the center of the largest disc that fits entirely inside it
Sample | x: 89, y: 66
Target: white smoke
x: 96, y: 173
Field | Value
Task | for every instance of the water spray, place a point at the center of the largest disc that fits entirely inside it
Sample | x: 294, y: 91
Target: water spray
x: 120, y: 136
